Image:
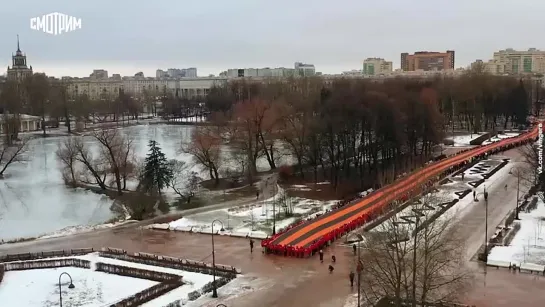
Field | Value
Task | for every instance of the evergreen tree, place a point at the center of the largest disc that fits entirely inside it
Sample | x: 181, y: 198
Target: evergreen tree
x: 157, y: 170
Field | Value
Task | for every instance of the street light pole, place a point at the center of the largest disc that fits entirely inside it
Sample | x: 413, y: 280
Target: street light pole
x: 71, y: 286
x: 485, y: 255
x: 518, y: 191
x: 359, y: 272
x: 214, y: 289
x: 414, y: 257
x: 274, y: 209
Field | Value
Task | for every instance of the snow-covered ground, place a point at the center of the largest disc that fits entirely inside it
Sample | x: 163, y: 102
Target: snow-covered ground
x: 500, y: 137
x: 34, y: 200
x: 39, y: 288
x: 463, y: 140
x: 92, y: 288
x: 257, y: 217
x: 528, y: 245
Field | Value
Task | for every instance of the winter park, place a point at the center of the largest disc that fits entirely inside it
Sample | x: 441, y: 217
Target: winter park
x: 274, y: 194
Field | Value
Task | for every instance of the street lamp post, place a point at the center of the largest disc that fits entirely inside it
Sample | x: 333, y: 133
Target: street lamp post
x: 214, y: 289
x: 274, y: 209
x: 518, y: 191
x: 485, y: 254
x: 359, y: 271
x: 71, y: 286
x: 414, y: 257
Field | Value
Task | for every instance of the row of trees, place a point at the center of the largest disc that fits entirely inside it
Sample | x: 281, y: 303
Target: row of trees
x: 106, y: 159
x: 49, y: 98
x: 352, y: 129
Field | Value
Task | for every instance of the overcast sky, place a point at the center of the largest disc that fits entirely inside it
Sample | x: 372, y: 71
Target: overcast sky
x: 125, y: 37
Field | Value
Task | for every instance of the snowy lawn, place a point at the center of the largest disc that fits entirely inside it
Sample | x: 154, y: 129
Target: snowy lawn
x: 528, y: 245
x: 500, y: 137
x: 39, y: 288
x: 463, y: 140
x: 257, y: 217
x: 91, y: 292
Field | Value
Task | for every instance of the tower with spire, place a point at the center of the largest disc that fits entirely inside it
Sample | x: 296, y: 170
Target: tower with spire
x: 19, y: 69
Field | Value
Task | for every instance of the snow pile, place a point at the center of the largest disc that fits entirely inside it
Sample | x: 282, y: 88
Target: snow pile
x: 528, y: 245
x: 71, y: 230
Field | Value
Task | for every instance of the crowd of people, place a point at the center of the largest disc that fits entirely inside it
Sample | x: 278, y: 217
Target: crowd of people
x: 317, y: 245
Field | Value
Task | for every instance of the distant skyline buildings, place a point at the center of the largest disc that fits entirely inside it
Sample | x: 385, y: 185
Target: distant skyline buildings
x: 506, y: 61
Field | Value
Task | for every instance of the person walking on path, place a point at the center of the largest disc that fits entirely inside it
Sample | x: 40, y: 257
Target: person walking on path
x: 321, y: 252
x: 351, y: 276
x: 251, y: 246
x: 354, y: 249
x: 474, y: 195
x: 331, y: 268
x: 333, y: 258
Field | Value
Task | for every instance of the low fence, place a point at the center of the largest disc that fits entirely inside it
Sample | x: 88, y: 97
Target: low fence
x: 147, y: 295
x: 47, y: 254
x: 137, y: 273
x: 47, y: 264
x: 220, y: 282
x: 175, y: 263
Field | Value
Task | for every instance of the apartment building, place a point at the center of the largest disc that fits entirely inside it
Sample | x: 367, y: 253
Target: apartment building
x: 299, y: 70
x: 510, y: 61
x: 376, y: 66
x: 177, y: 73
x: 137, y: 85
x: 427, y: 61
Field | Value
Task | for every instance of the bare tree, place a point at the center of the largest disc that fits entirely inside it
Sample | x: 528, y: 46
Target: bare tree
x: 530, y: 153
x: 67, y: 155
x: 204, y: 147
x: 426, y: 265
x: 78, y: 159
x: 116, y: 149
x: 11, y: 152
x: 184, y: 181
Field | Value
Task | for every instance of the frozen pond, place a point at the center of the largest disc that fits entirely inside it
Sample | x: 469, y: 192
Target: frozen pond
x: 34, y: 200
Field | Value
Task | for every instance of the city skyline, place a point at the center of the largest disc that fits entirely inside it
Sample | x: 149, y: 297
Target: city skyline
x: 334, y: 38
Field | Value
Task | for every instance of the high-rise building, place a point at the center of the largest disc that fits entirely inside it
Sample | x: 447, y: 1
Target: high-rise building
x: 427, y: 61
x: 376, y: 67
x: 511, y: 61
x: 99, y: 74
x: 159, y: 73
x: 304, y: 70
x: 19, y: 69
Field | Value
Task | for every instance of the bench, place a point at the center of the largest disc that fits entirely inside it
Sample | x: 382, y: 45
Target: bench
x: 532, y: 267
x: 499, y: 264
